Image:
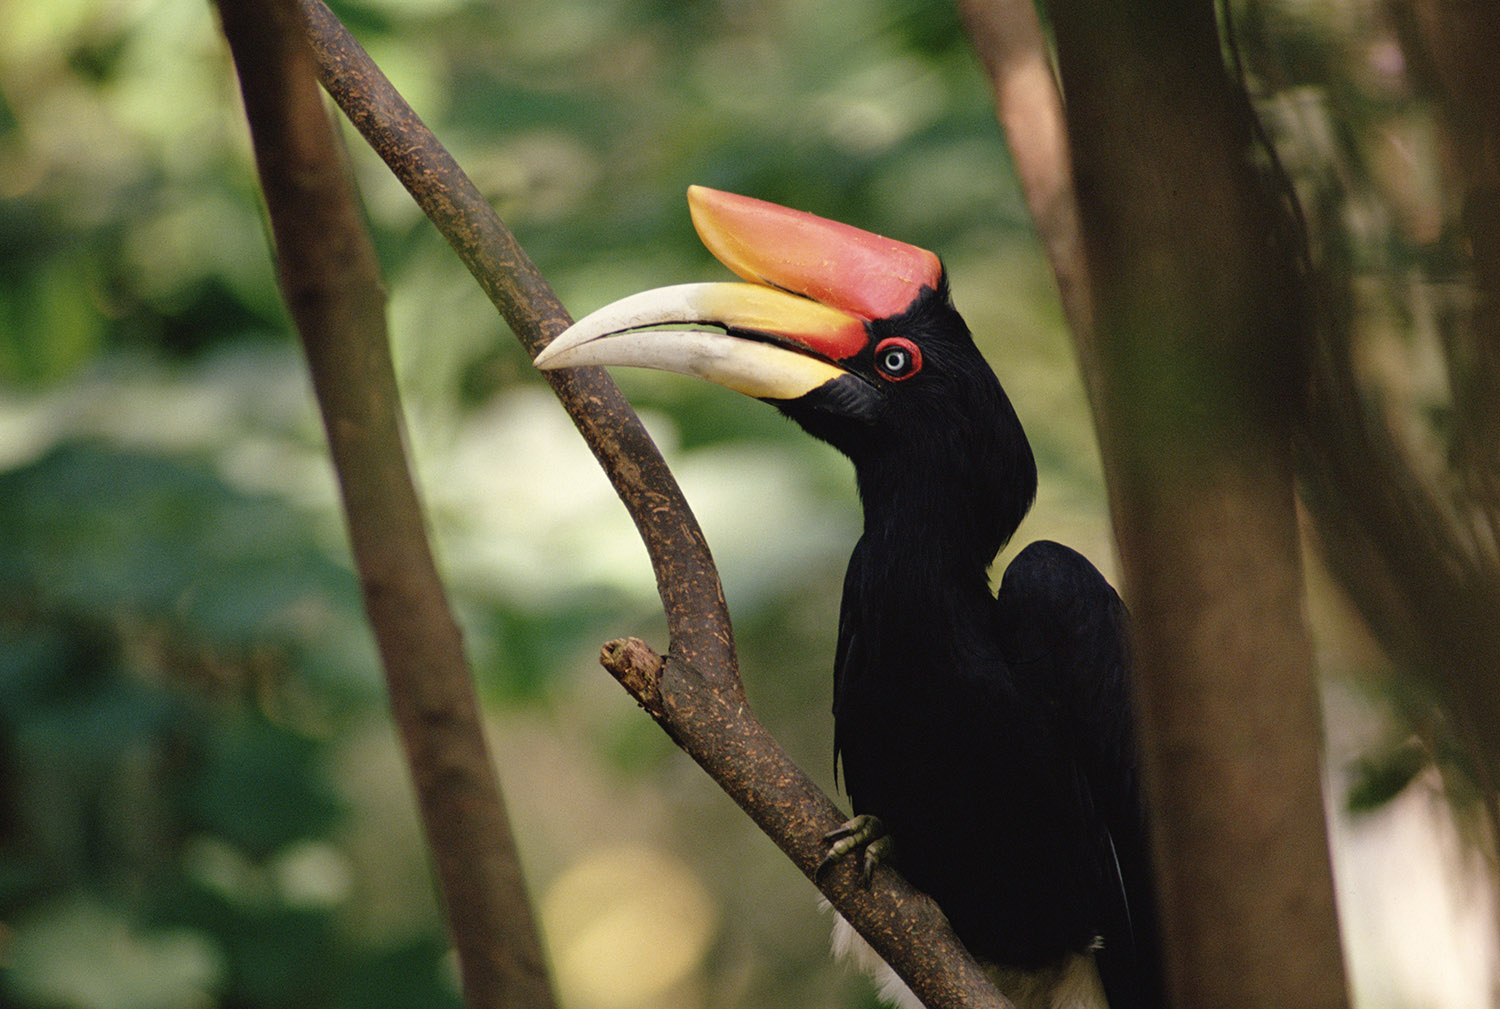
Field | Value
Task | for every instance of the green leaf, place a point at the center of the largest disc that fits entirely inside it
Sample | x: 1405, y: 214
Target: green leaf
x: 122, y: 535
x: 260, y: 786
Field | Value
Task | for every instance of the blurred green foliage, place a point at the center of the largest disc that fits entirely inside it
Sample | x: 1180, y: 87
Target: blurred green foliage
x: 201, y: 801
x: 201, y: 798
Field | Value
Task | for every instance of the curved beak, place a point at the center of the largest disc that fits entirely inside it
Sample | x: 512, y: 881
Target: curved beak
x: 795, y: 328
x: 766, y: 343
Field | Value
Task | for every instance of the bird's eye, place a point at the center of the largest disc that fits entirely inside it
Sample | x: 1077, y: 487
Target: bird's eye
x: 897, y: 358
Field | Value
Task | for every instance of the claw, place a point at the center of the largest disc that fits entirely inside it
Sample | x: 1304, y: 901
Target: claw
x: 863, y: 831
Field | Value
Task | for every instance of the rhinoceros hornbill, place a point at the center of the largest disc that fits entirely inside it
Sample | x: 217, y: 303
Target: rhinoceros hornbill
x: 986, y: 742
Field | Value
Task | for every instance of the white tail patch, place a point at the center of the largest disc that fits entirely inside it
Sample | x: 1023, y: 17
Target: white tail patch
x: 851, y: 946
x: 1072, y: 984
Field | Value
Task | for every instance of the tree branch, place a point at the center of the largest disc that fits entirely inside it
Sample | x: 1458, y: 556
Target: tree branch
x: 331, y: 282
x: 1395, y: 542
x: 695, y: 693
x: 1007, y: 37
x: 686, y: 577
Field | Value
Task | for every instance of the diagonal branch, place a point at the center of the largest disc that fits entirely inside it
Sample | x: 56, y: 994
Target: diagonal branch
x: 694, y: 693
x: 1396, y: 542
x: 686, y: 577
x: 331, y: 281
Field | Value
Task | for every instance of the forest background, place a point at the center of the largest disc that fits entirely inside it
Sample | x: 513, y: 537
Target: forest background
x: 202, y: 801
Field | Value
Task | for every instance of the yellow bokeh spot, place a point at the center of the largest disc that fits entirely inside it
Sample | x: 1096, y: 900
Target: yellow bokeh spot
x: 625, y: 926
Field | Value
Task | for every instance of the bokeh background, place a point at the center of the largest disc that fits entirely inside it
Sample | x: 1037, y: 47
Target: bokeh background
x: 202, y: 802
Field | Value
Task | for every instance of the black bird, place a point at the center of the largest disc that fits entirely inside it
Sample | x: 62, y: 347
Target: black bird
x: 986, y: 742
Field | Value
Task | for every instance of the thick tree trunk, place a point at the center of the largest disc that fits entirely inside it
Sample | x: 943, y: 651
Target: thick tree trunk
x: 1195, y: 368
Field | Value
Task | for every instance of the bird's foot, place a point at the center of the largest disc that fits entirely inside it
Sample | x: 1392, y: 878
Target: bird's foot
x: 863, y: 831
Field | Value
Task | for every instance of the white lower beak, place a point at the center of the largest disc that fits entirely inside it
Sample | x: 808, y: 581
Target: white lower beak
x: 786, y: 369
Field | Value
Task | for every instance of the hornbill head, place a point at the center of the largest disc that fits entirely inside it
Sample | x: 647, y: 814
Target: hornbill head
x: 849, y: 334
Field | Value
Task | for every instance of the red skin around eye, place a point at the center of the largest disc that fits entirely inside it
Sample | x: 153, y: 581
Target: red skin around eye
x: 912, y: 350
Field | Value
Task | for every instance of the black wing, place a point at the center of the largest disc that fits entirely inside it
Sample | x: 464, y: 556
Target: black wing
x: 1065, y: 631
x: 847, y: 652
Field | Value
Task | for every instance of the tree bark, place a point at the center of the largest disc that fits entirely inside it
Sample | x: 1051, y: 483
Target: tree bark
x: 1007, y: 36
x: 331, y: 282
x: 1197, y: 341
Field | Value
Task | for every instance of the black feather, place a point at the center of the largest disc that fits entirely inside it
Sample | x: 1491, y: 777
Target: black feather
x: 992, y: 737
